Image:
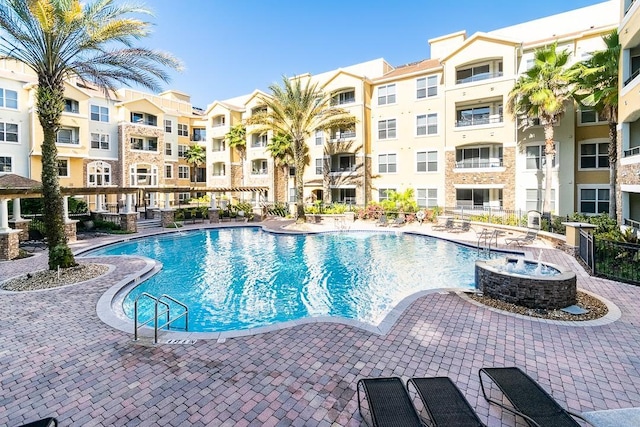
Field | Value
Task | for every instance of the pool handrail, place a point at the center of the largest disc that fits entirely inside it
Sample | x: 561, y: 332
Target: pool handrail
x: 157, y: 301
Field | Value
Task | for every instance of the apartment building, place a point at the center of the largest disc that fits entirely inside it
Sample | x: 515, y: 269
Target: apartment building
x: 437, y: 126
x: 629, y: 115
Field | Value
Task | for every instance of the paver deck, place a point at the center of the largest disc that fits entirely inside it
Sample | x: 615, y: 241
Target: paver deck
x: 58, y: 359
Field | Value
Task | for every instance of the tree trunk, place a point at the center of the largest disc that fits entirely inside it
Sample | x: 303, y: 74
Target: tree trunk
x: 549, y: 154
x: 298, y: 159
x: 613, y: 169
x: 50, y: 103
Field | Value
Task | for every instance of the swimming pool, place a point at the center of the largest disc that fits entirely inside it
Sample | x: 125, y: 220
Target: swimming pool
x: 242, y: 278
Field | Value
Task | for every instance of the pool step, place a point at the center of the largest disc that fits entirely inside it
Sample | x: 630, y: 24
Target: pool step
x: 149, y: 223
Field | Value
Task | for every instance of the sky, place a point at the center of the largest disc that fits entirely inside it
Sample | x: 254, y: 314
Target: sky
x: 231, y: 48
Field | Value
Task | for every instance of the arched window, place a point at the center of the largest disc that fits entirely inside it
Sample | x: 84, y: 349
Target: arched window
x: 98, y: 174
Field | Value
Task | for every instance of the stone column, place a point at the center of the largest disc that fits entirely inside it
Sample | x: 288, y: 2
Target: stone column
x: 152, y: 200
x: 167, y: 204
x: 129, y: 222
x: 214, y: 215
x: 573, y: 232
x: 16, y: 209
x: 65, y: 208
x: 9, y: 244
x: 167, y: 217
x: 70, y: 229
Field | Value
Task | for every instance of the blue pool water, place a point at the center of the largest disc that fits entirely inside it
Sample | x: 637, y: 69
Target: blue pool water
x: 241, y: 278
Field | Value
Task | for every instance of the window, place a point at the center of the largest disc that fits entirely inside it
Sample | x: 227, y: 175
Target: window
x: 218, y: 145
x: 536, y: 157
x: 479, y: 72
x: 8, y: 132
x: 591, y: 117
x: 71, y: 106
x: 259, y: 140
x: 98, y: 174
x: 594, y: 200
x: 100, y: 141
x: 168, y: 126
x: 168, y: 171
x: 427, y: 124
x: 9, y: 98
x: 387, y: 129
x: 319, y: 137
x: 183, y: 130
x: 5, y: 164
x: 183, y: 172
x: 218, y: 169
x: 292, y: 195
x: 182, y: 150
x: 144, y: 174
x: 474, y: 116
x: 144, y: 119
x: 479, y: 157
x: 383, y: 193
x: 99, y: 114
x: 387, y: 163
x: 63, y: 167
x: 168, y: 149
x: 427, y: 161
x: 259, y: 167
x: 67, y: 136
x: 319, y: 166
x: 199, y: 134
x: 535, y: 197
x: 387, y: 94
x: 144, y: 144
x: 427, y: 197
x: 594, y: 155
x: 346, y: 97
x: 184, y: 197
x: 427, y: 87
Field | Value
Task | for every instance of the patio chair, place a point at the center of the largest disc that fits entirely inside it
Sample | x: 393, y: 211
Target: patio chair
x: 448, y: 225
x: 198, y: 216
x: 45, y: 422
x: 382, y: 221
x: 528, y: 238
x: 463, y: 228
x: 529, y: 400
x: 444, y: 402
x: 36, y: 241
x: 398, y: 221
x: 388, y: 402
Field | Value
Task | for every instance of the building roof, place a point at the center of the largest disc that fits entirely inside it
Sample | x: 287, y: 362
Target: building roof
x: 13, y: 181
x: 414, y: 67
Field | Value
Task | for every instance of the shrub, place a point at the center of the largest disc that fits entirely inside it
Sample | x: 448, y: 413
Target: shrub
x: 62, y: 256
x: 106, y: 226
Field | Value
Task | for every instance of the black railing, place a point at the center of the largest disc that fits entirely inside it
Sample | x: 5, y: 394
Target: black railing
x: 585, y: 250
x: 480, y: 120
x: 617, y: 260
x: 631, y: 152
x: 478, y: 77
x: 478, y: 163
x: 631, y: 77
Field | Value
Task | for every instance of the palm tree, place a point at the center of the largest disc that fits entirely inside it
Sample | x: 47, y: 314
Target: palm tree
x: 237, y: 139
x: 195, y: 156
x: 63, y: 39
x: 542, y: 93
x: 280, y: 148
x: 596, y: 88
x: 296, y: 111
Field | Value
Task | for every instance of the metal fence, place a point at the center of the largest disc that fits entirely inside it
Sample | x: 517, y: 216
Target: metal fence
x: 614, y: 260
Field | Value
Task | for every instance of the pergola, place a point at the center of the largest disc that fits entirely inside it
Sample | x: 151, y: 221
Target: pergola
x: 15, y: 187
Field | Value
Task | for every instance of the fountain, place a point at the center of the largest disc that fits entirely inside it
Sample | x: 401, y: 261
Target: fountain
x: 528, y: 283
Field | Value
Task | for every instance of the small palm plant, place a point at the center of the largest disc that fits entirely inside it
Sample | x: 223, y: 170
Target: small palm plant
x: 237, y: 139
x: 195, y: 156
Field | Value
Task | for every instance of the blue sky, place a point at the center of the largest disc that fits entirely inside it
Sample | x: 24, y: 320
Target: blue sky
x: 230, y: 48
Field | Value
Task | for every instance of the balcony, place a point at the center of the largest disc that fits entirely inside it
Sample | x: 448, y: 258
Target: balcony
x: 343, y: 98
x: 218, y: 121
x: 479, y: 157
x: 218, y: 145
x: 478, y: 116
x: 489, y: 69
x: 339, y: 136
x: 631, y: 152
x: 199, y: 135
x: 479, y: 77
x: 144, y: 119
x: 68, y: 136
x: 343, y: 163
x: 476, y: 163
x: 259, y: 141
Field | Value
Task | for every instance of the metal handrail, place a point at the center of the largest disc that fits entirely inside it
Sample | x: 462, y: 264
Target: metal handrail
x: 157, y: 301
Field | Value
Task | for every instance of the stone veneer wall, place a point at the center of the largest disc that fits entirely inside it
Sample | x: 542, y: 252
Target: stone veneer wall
x: 128, y: 222
x: 127, y: 131
x: 536, y: 292
x: 236, y: 175
x: 627, y: 175
x: 474, y: 177
x: 167, y: 217
x: 9, y: 245
x: 70, y: 230
x: 23, y: 226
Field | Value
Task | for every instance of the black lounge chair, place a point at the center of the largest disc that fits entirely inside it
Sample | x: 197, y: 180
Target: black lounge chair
x: 444, y: 402
x: 400, y: 220
x: 389, y: 403
x: 448, y: 225
x: 382, y: 221
x: 37, y: 241
x: 529, y: 400
x: 463, y: 228
x: 45, y: 422
x: 530, y: 237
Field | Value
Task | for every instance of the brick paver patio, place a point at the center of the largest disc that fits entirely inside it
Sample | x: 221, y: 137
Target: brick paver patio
x: 58, y: 359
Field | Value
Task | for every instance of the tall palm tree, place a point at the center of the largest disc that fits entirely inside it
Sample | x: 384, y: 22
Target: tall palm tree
x: 195, y: 156
x: 296, y: 111
x: 63, y: 39
x: 280, y: 148
x: 596, y: 88
x: 237, y: 139
x: 543, y: 93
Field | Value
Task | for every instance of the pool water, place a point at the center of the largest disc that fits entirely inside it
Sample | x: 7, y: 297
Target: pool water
x: 241, y: 278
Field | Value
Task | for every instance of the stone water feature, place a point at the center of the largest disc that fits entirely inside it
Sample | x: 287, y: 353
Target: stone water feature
x: 527, y: 283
